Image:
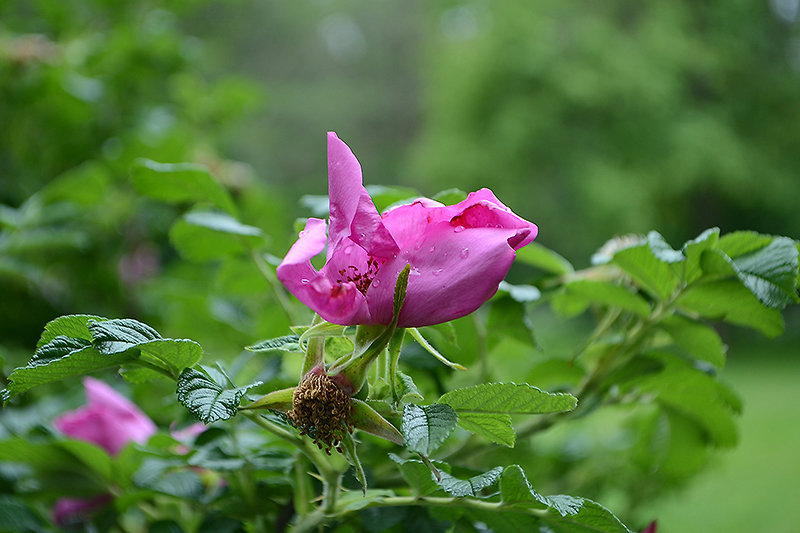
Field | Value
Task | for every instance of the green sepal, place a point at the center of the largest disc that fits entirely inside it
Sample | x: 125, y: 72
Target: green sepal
x: 349, y: 446
x: 368, y: 419
x: 279, y: 400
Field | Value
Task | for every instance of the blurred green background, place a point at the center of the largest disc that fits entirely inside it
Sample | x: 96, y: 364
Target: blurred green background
x: 591, y: 119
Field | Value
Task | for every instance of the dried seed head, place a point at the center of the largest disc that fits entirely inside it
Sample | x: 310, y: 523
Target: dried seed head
x: 321, y: 410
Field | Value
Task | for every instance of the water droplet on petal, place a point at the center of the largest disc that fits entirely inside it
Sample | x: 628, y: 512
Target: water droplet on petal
x: 432, y: 249
x: 414, y: 272
x: 304, y: 281
x: 464, y: 253
x: 348, y: 249
x: 459, y: 229
x: 303, y: 233
x: 376, y: 283
x: 437, y: 271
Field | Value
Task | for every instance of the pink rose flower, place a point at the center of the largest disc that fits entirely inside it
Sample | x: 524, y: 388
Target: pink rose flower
x: 109, y: 420
x: 458, y: 254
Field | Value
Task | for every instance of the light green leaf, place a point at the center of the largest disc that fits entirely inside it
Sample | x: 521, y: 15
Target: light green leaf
x: 385, y: 197
x: 649, y: 265
x: 520, y: 293
x: 732, y: 302
x: 494, y: 427
x: 472, y: 486
x: 693, y: 250
x: 743, y: 242
x: 204, y: 236
x: 426, y: 427
x: 695, y: 338
x: 407, y: 390
x: 208, y: 400
x: 179, y: 182
x: 609, y: 294
x: 507, y: 398
x: 543, y: 258
x: 450, y: 196
x: 176, y: 353
x: 433, y: 351
x: 287, y: 343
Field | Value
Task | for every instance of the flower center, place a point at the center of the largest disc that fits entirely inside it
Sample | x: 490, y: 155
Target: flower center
x: 362, y: 280
x: 320, y: 409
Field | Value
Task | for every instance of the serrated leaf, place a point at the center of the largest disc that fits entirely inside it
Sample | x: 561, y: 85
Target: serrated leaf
x: 120, y: 334
x: 515, y: 489
x: 208, y: 400
x: 732, y: 302
x: 425, y: 428
x: 609, y: 294
x: 75, y: 326
x: 472, y: 486
x: 59, y: 347
x: 739, y: 243
x: 287, y: 343
x: 536, y: 255
x: 407, y: 390
x: 507, y: 398
x: 650, y: 267
x: 76, y: 363
x: 695, y: 338
x: 179, y: 182
x: 771, y: 272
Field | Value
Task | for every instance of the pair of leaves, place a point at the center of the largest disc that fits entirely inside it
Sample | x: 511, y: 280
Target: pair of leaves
x: 74, y: 345
x: 484, y: 410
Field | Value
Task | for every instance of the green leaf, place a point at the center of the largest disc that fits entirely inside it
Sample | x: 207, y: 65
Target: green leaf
x: 472, y: 486
x: 485, y: 409
x: 177, y: 354
x: 59, y: 347
x: 543, y: 258
x: 384, y: 197
x: 407, y: 390
x: 287, y: 343
x: 67, y: 455
x: 693, y: 250
x: 649, y: 265
x: 732, y: 302
x: 507, y: 398
x: 75, y: 326
x: 743, y: 242
x: 204, y: 236
x: 417, y: 474
x: 450, y: 196
x: 73, y: 363
x: 695, y: 338
x: 494, y: 427
x: 179, y: 182
x: 771, y: 272
x: 426, y: 427
x: 207, y: 399
x: 566, y: 514
x: 508, y: 319
x: 431, y: 350
x: 520, y: 293
x: 120, y: 334
x: 17, y: 516
x: 609, y: 294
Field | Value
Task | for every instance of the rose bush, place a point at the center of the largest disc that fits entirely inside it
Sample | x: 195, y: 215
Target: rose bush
x: 458, y: 254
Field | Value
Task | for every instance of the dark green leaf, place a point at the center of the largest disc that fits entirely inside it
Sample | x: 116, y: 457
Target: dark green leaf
x: 494, y: 427
x: 417, y: 474
x: 74, y: 363
x: 76, y: 326
x: 472, y: 486
x: 507, y: 398
x: 16, y: 516
x: 117, y: 335
x: 59, y: 347
x: 771, y: 272
x: 180, y: 182
x: 426, y: 427
x: 450, y: 196
x: 177, y: 354
x: 207, y: 399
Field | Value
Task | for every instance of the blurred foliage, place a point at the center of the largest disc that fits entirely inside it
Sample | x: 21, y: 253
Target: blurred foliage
x: 617, y: 117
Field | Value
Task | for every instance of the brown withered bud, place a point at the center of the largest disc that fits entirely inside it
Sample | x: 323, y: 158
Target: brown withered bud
x: 321, y: 410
